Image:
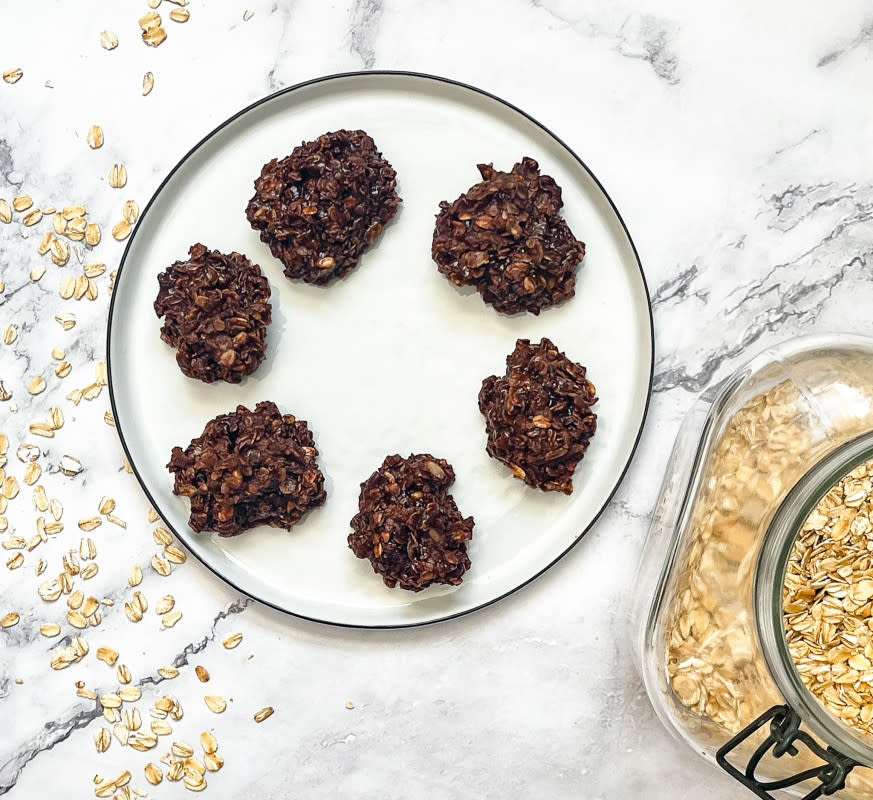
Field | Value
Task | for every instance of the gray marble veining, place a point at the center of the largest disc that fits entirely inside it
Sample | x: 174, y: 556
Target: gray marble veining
x: 734, y: 140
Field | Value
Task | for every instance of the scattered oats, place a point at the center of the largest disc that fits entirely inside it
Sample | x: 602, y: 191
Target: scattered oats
x: 66, y: 321
x: 153, y: 774
x: 71, y: 563
x: 140, y: 601
x: 5, y: 212
x: 9, y: 488
x: 94, y: 270
x: 92, y: 392
x: 105, y: 789
x: 162, y: 537
x: 181, y: 750
x: 150, y: 21
x: 208, y: 742
x: 123, y: 674
x: 143, y: 741
x: 202, y: 674
x: 127, y: 468
x: 130, y: 694
x: 70, y: 466
x: 169, y: 620
x: 133, y: 613
x: 179, y: 15
x: 40, y: 501
x: 95, y: 137
x: 132, y: 719
x: 56, y: 418
x: 81, y: 287
x: 91, y: 292
x: 160, y: 566
x: 10, y: 334
x: 92, y: 234
x: 110, y: 700
x: 135, y: 576
x: 75, y: 396
x: 247, y: 15
x: 148, y: 83
x: 232, y: 641
x: 90, y: 523
x: 81, y: 691
x: 154, y: 3
x: 213, y: 762
x: 14, y: 543
x: 40, y: 567
x: 215, y: 703
x: 174, y: 555
x: 116, y: 521
x: 5, y: 394
x: 12, y: 75
x: 106, y: 505
x: 41, y: 429
x: 121, y: 733
x: 123, y: 779
x: 49, y: 85
x: 90, y: 606
x: 102, y: 740
x: 57, y: 510
x: 121, y: 230
x: 130, y: 211
x: 60, y: 256
x: 14, y: 562
x: 165, y: 604
x: 49, y: 591
x: 87, y: 548
x: 349, y: 705
x: 59, y: 224
x: 9, y: 620
x: 76, y: 230
x: 152, y: 515
x: 68, y: 286
x: 44, y: 245
x: 107, y: 655
x: 109, y: 419
x: 176, y: 771
x: 36, y: 386
x: 89, y: 571
x: 49, y: 629
x: 31, y: 218
x: 22, y: 202
x: 261, y: 715
x: 108, y: 40
x: 37, y: 272
x: 66, y: 582
x: 75, y: 600
x: 117, y: 176
x: 76, y: 619
x: 168, y: 672
x: 31, y: 473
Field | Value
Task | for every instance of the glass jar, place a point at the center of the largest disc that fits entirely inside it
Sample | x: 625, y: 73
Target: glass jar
x: 754, y: 457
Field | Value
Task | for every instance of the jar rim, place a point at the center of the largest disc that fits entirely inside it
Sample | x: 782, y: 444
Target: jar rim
x: 769, y: 581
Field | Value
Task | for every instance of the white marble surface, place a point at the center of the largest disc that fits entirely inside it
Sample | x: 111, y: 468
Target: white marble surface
x: 735, y: 140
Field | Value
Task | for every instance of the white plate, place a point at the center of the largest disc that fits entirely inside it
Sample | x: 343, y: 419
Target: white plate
x: 389, y: 359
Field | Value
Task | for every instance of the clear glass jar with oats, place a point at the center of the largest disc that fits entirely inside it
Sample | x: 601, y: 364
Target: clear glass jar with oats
x: 755, y: 603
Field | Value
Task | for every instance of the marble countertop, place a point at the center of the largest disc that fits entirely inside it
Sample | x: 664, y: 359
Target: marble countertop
x: 735, y: 140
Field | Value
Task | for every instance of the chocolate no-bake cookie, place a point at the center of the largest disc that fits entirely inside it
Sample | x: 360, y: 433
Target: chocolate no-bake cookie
x: 249, y: 468
x: 538, y: 416
x: 409, y: 527
x: 504, y: 237
x: 216, y: 310
x: 321, y: 207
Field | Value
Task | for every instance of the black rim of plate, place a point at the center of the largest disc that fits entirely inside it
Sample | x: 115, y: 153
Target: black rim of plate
x: 289, y: 90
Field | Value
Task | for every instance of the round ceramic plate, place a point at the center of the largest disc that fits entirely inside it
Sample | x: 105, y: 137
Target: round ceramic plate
x: 389, y: 359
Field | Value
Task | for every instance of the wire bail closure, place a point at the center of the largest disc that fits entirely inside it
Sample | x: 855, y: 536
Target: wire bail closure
x: 784, y: 732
